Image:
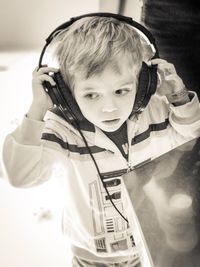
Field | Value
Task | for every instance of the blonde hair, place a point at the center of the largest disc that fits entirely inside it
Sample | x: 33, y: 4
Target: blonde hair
x: 90, y: 44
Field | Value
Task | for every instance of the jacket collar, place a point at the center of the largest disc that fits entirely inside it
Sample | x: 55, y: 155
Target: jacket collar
x: 96, y: 136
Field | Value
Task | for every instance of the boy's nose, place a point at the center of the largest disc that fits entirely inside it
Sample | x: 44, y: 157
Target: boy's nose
x: 106, y: 109
x: 109, y: 106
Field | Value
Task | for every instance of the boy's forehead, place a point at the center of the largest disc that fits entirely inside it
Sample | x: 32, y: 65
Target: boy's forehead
x: 108, y: 76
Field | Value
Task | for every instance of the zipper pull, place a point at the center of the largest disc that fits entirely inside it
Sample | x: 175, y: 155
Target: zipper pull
x: 130, y: 168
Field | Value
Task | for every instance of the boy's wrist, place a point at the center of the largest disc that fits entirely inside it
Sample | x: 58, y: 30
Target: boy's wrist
x: 36, y: 112
x: 178, y: 98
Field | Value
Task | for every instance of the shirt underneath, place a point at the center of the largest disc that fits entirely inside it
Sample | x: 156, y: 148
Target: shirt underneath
x: 120, y: 139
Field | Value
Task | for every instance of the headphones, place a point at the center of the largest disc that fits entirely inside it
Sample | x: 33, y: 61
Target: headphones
x: 61, y: 95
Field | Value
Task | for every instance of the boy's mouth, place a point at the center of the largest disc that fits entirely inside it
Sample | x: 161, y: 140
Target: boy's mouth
x: 109, y: 122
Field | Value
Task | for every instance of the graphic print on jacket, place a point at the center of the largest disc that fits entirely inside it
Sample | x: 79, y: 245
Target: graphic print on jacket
x: 111, y: 231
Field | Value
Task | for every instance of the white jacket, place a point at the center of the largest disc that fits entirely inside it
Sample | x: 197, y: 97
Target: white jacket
x: 91, y: 221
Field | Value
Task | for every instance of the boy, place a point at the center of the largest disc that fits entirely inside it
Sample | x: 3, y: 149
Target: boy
x: 100, y: 59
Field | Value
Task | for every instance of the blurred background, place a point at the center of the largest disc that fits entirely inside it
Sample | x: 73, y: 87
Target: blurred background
x: 30, y: 227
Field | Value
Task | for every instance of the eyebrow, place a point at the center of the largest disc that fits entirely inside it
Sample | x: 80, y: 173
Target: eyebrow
x: 88, y: 89
x: 129, y: 82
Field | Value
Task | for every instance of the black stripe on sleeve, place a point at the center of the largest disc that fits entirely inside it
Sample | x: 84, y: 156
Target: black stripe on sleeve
x: 152, y: 128
x: 70, y: 147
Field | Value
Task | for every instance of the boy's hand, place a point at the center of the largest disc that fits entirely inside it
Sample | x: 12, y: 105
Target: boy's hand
x: 41, y: 101
x: 169, y: 83
x: 39, y: 76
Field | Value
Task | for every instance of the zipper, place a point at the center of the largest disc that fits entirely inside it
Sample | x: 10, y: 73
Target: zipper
x: 130, y: 166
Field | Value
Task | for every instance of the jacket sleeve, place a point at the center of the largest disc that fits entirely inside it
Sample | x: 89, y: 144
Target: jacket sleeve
x: 27, y: 161
x: 185, y: 119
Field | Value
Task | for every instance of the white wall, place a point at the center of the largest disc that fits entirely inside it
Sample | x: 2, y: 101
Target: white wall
x: 132, y: 8
x: 25, y: 23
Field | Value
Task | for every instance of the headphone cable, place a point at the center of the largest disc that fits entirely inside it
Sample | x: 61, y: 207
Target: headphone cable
x: 94, y: 161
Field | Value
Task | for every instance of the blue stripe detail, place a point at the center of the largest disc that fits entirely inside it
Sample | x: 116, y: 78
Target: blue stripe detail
x: 71, y: 148
x: 152, y: 128
x: 113, y: 174
x: 94, y: 149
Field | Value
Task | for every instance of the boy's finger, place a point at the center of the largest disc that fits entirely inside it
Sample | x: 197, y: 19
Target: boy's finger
x: 37, y: 68
x: 164, y: 65
x: 171, y: 77
x: 46, y: 77
x: 158, y: 61
x: 46, y: 70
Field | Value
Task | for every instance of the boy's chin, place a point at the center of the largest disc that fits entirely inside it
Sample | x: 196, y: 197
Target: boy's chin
x: 110, y: 127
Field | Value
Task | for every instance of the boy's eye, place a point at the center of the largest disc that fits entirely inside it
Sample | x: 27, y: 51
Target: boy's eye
x: 122, y: 91
x: 91, y: 96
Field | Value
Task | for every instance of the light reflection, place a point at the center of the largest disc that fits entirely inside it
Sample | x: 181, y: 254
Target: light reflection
x: 33, y: 214
x: 175, y: 216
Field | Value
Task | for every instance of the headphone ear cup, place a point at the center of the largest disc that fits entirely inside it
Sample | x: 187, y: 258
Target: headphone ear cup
x: 70, y: 103
x: 147, y: 84
x: 66, y: 105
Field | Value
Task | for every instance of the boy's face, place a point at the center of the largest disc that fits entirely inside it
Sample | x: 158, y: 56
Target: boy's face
x: 107, y: 99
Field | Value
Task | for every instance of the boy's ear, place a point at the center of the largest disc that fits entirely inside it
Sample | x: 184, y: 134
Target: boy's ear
x: 147, y: 84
